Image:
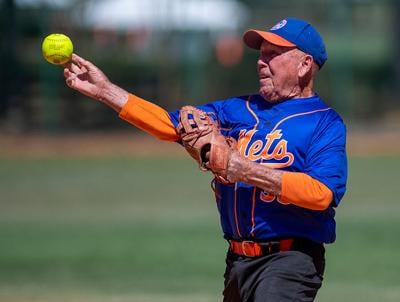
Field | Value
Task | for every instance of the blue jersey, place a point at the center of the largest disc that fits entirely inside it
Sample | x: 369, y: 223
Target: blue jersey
x: 298, y: 135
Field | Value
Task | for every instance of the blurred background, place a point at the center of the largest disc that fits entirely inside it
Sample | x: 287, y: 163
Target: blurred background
x: 93, y: 210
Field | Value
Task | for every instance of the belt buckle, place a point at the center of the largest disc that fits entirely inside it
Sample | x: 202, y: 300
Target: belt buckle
x: 244, y: 244
x: 268, y: 247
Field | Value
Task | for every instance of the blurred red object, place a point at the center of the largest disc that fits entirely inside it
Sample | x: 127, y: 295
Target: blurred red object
x: 229, y: 50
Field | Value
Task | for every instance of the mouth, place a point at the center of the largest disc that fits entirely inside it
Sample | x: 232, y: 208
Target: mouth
x: 263, y: 77
x: 263, y: 72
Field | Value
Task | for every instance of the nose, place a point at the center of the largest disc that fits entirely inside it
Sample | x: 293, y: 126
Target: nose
x: 261, y: 64
x: 263, y: 61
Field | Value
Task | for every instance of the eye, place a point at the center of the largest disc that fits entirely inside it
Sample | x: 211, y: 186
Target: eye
x: 268, y: 55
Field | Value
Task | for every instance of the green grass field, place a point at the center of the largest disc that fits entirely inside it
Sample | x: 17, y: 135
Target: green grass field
x: 138, y: 229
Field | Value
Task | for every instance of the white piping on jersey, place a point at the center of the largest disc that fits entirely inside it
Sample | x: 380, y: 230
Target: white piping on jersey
x: 299, y: 114
x: 252, y: 112
x: 235, y: 212
x: 282, y: 120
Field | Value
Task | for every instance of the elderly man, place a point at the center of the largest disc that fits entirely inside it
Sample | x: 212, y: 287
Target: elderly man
x: 286, y: 175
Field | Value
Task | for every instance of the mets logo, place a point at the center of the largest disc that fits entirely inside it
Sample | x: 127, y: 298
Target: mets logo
x: 271, y: 152
x: 279, y: 25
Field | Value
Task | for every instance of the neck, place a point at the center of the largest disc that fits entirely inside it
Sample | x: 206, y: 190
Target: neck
x: 304, y: 88
x: 306, y: 93
x: 301, y: 92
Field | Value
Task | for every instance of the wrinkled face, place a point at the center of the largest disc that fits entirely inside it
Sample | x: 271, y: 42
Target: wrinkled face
x: 277, y: 69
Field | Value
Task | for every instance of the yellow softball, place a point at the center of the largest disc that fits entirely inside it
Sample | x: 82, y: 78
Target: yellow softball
x: 57, y: 49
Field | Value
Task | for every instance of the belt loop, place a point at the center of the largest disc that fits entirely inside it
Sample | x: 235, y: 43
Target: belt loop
x: 244, y: 248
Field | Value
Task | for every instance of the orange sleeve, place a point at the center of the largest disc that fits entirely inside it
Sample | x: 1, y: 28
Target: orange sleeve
x: 149, y: 117
x: 302, y: 190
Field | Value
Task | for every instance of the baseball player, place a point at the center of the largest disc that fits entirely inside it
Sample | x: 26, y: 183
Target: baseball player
x: 280, y: 175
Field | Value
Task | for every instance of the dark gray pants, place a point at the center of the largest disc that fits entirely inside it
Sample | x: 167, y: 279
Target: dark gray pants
x: 293, y: 276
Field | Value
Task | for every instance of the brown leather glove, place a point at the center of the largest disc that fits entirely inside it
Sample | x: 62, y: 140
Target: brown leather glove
x: 202, y: 139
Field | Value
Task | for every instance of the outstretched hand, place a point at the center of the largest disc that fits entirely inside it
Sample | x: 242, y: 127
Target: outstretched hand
x: 85, y: 77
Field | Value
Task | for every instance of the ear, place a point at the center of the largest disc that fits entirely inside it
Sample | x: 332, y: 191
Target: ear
x: 305, y: 66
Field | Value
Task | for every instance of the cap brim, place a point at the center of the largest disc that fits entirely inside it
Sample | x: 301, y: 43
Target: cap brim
x: 253, y: 39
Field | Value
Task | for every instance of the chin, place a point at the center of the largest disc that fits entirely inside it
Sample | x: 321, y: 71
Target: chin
x: 269, y: 97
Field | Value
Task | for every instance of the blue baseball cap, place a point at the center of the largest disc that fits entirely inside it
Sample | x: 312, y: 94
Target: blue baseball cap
x: 290, y: 32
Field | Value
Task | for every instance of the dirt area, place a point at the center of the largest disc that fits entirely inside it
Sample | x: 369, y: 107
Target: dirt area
x: 373, y: 142
x: 117, y: 144
x: 359, y: 143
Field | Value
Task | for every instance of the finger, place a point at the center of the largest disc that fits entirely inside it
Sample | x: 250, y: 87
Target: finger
x: 72, y: 68
x: 207, y: 157
x: 68, y: 64
x: 71, y: 81
x: 179, y: 128
x: 67, y: 73
x: 75, y: 68
x: 201, y: 119
x: 81, y: 62
x: 76, y: 59
x: 186, y: 121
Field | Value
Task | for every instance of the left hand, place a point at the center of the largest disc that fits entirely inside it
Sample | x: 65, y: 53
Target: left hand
x: 202, y: 139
